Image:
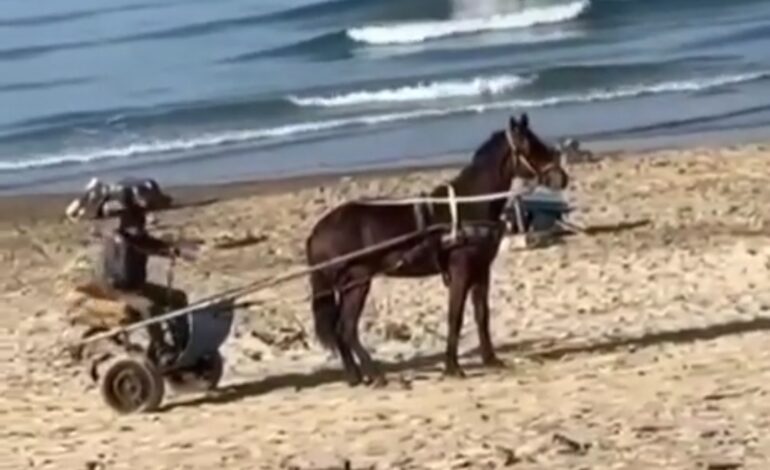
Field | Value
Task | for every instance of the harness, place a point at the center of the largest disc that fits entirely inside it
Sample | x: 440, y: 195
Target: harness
x: 423, y: 210
x: 453, y: 212
x: 519, y: 159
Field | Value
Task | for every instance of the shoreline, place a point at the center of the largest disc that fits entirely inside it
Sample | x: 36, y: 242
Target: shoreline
x: 47, y: 205
x: 42, y: 205
x: 68, y: 185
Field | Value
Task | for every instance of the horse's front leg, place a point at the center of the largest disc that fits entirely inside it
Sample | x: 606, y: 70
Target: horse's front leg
x: 458, y: 294
x: 480, y: 299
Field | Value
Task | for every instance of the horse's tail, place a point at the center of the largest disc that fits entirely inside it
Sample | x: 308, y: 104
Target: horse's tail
x: 326, y: 311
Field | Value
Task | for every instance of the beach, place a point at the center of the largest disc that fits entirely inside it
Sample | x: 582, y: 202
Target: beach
x: 639, y: 345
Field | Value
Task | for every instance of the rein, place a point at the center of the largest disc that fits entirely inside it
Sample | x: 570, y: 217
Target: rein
x: 452, y: 200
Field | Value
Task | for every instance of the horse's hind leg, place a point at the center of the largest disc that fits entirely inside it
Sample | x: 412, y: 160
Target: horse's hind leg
x: 480, y: 299
x: 352, y: 370
x: 352, y: 305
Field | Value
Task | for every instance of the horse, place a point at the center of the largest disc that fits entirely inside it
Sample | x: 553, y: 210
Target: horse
x: 99, y: 199
x: 463, y: 258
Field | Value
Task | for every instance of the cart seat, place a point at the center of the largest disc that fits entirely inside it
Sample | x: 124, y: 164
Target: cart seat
x: 93, y: 306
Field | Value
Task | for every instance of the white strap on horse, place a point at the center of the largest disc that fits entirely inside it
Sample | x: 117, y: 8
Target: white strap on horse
x: 516, y: 156
x: 513, y: 191
x: 453, y: 211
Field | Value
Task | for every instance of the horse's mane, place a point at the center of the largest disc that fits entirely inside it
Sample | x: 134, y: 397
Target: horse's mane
x: 487, y: 148
x: 481, y: 157
x: 537, y: 146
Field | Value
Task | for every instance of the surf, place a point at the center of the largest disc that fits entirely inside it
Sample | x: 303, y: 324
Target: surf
x: 295, y: 130
x: 421, y: 31
x: 422, y: 91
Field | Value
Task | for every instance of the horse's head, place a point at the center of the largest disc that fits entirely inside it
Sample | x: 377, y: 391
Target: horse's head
x: 531, y: 159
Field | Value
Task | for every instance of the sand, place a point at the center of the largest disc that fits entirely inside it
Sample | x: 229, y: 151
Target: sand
x: 630, y: 348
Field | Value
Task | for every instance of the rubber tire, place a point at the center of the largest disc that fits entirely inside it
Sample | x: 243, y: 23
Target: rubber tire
x: 136, y: 372
x: 203, y: 378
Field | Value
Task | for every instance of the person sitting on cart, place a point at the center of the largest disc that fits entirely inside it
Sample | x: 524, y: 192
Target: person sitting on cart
x: 125, y: 255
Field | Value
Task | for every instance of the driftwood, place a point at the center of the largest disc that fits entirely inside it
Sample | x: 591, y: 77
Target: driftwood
x: 227, y: 243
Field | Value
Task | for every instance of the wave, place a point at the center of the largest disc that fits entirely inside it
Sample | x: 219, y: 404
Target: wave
x: 44, y: 85
x: 314, y: 10
x: 216, y: 26
x: 26, y: 52
x: 195, y: 143
x: 194, y: 29
x: 699, y: 123
x: 756, y: 33
x: 177, y: 32
x: 328, y: 45
x: 478, y: 86
x: 415, y: 32
x: 64, y: 17
x: 292, y: 130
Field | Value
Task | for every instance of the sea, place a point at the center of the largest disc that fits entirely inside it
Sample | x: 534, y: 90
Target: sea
x: 214, y: 91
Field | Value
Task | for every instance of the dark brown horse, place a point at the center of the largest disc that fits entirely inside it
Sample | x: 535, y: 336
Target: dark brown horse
x: 340, y: 292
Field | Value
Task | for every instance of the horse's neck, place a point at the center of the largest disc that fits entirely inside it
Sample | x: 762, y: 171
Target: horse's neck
x: 473, y: 181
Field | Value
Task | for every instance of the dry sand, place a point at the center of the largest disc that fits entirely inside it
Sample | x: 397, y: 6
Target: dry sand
x: 635, y: 348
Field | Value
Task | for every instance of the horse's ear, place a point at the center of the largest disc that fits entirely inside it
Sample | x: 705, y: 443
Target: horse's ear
x: 524, y: 121
x: 512, y: 124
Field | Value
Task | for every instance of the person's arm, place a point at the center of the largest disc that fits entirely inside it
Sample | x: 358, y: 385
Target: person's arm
x: 154, y: 246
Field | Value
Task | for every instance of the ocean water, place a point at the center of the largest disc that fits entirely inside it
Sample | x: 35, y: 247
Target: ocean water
x: 194, y: 91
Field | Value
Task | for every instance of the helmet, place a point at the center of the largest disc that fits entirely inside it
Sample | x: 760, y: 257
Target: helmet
x: 119, y: 202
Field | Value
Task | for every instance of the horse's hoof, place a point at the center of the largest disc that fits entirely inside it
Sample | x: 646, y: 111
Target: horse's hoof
x: 376, y: 380
x: 354, y: 380
x: 379, y: 382
x: 494, y: 362
x: 454, y: 372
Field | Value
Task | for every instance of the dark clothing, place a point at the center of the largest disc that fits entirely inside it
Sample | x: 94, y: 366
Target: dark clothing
x: 151, y: 300
x: 125, y: 255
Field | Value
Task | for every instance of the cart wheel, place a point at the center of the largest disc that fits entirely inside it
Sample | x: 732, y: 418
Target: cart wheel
x: 132, y: 384
x: 203, y: 377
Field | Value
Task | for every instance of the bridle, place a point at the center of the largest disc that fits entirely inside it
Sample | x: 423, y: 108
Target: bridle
x: 518, y: 159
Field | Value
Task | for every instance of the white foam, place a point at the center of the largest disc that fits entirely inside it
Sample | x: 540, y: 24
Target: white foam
x: 478, y: 86
x: 631, y: 91
x: 196, y: 143
x: 231, y: 137
x: 420, y: 31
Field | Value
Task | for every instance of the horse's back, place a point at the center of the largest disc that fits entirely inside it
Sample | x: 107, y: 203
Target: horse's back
x: 333, y: 228
x: 352, y: 226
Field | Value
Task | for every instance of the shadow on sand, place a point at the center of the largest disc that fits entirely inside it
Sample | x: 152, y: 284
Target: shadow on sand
x: 528, y: 349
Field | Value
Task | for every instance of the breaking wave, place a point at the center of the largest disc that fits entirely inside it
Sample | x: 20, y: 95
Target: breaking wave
x: 416, y: 32
x: 429, y: 91
x: 240, y: 136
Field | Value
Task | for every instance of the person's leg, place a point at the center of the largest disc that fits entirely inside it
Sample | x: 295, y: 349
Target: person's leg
x: 165, y: 300
x: 145, y: 308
